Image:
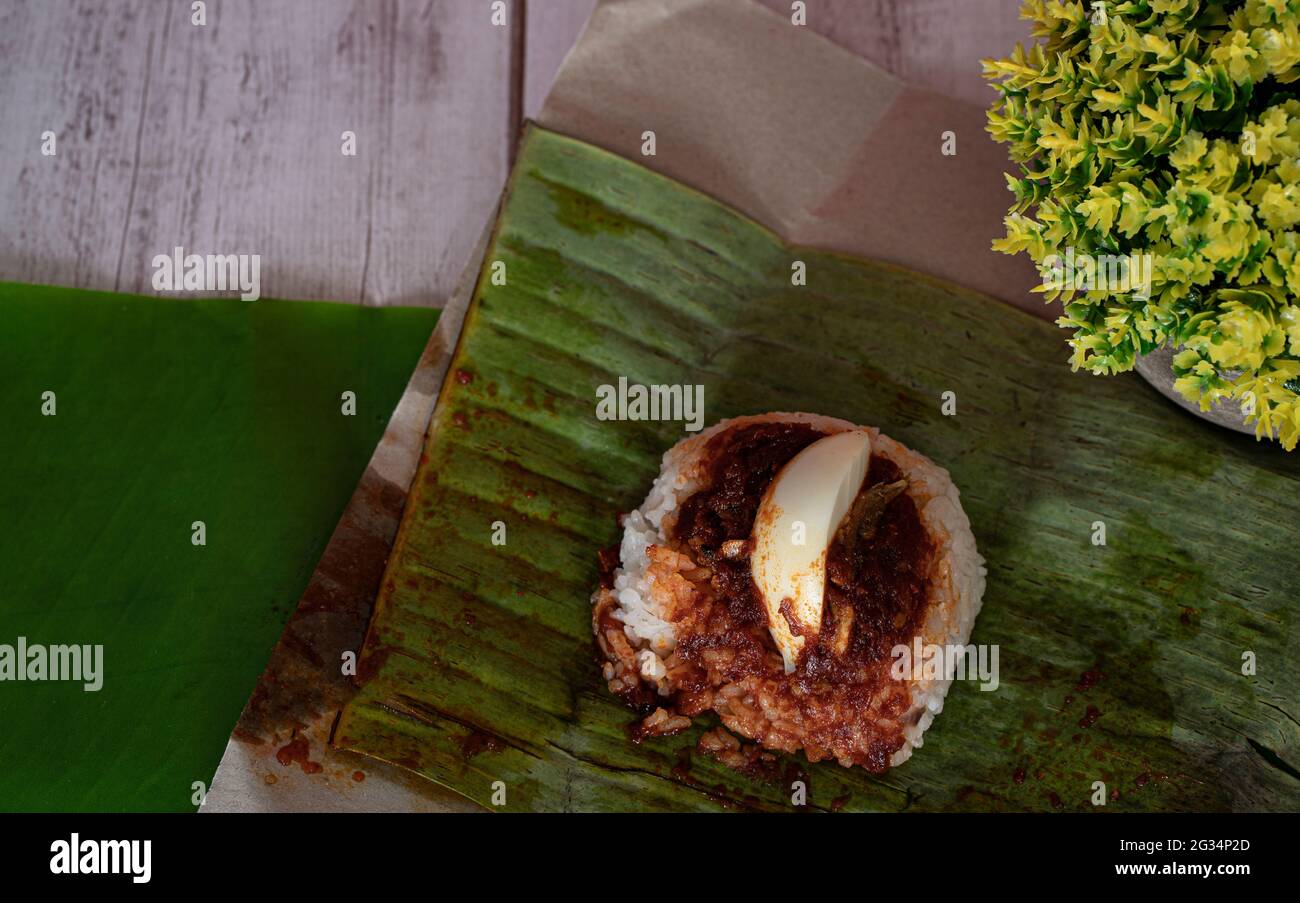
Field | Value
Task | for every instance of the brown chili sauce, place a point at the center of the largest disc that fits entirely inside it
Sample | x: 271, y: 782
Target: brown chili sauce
x: 876, y: 593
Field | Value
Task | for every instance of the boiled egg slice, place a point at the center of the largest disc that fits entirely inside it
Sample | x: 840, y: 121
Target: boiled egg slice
x: 797, y: 519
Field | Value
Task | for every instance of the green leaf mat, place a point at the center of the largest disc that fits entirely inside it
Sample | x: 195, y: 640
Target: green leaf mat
x: 1119, y: 663
x: 168, y: 411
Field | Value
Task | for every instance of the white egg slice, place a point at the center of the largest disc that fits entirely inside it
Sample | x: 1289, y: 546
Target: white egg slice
x: 797, y: 519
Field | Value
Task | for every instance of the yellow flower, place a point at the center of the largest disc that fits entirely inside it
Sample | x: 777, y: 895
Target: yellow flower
x: 1190, y: 151
x: 1242, y: 60
x: 1246, y: 338
x: 1289, y: 320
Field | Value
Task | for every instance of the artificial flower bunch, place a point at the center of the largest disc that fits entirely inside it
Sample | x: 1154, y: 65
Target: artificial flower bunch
x: 1166, y: 130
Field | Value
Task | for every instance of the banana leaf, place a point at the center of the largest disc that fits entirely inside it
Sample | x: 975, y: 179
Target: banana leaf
x: 168, y: 412
x: 1120, y: 663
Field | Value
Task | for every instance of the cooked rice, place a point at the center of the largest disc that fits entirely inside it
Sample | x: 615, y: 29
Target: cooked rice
x: 653, y: 583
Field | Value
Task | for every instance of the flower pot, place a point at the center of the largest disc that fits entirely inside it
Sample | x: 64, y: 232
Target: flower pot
x: 1157, y: 369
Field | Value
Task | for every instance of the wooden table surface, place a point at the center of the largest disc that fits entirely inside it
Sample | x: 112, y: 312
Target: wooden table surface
x: 226, y: 137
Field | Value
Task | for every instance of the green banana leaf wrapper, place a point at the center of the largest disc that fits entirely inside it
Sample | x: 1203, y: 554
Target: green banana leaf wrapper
x: 167, y: 412
x: 1160, y: 664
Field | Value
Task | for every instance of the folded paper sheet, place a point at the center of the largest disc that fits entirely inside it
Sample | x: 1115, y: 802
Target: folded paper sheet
x: 813, y: 142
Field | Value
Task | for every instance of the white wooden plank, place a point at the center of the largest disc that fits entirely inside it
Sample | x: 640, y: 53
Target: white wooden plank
x: 225, y: 138
x: 553, y: 27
